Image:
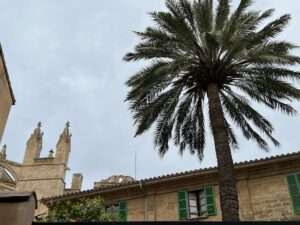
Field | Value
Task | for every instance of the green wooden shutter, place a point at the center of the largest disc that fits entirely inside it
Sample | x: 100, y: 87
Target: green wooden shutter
x: 210, y: 200
x: 123, y: 211
x: 182, y: 205
x: 294, y: 188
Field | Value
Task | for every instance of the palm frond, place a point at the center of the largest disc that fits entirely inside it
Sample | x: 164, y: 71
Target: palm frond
x: 241, y: 122
x: 193, y: 45
x: 242, y: 106
x: 271, y: 30
x: 222, y: 15
x: 146, y: 116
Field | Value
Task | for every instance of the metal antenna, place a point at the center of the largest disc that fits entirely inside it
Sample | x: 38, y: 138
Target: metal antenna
x: 135, y: 164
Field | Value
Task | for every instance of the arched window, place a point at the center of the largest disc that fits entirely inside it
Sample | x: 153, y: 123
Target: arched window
x: 6, y: 175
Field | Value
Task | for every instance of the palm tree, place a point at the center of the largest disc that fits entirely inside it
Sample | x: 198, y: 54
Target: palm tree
x: 198, y: 52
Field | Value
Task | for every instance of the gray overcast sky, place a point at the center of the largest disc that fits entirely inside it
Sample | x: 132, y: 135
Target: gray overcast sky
x: 65, y: 62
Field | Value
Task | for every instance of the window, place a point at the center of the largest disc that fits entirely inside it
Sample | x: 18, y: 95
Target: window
x: 196, y: 204
x: 113, y: 210
x: 294, y: 188
x: 123, y: 211
x: 118, y: 210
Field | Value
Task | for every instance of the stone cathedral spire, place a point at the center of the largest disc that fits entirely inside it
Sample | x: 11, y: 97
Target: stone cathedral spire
x: 63, y: 146
x: 34, y: 145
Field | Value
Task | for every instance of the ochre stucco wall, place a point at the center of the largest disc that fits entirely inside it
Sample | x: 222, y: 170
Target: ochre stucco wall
x: 5, y: 99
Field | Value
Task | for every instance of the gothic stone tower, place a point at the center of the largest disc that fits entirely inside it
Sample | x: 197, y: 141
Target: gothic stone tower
x: 6, y: 94
x: 45, y: 176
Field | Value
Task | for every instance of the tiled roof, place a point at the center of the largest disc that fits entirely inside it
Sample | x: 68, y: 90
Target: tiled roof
x: 174, y: 175
x: 7, y: 76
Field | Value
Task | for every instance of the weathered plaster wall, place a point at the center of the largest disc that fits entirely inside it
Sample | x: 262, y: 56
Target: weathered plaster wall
x: 5, y: 99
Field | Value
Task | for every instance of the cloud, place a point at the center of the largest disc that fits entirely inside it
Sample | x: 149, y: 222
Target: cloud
x: 80, y: 83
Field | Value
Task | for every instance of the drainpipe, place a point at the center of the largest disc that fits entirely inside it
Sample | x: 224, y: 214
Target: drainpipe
x: 145, y: 202
x: 250, y: 197
x: 146, y: 208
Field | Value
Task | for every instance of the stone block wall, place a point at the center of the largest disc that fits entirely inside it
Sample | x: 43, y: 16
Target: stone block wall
x: 262, y: 199
x: 166, y: 207
x: 270, y: 198
x: 136, y: 209
x: 45, y: 179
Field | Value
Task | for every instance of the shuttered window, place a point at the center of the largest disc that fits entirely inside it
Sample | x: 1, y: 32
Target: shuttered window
x: 210, y: 201
x: 294, y: 188
x: 182, y: 205
x: 113, y: 210
x: 123, y: 211
x: 195, y: 204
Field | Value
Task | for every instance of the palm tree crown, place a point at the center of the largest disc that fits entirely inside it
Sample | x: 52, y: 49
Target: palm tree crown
x: 193, y: 45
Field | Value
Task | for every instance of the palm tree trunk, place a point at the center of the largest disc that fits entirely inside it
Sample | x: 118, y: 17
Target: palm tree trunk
x: 227, y: 181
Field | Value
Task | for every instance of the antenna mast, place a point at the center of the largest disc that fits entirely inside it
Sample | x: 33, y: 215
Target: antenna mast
x: 135, y: 164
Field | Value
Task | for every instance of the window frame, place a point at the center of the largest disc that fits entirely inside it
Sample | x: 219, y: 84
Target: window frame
x: 116, y: 211
x: 206, y: 215
x: 119, y: 212
x: 197, y: 192
x: 116, y: 205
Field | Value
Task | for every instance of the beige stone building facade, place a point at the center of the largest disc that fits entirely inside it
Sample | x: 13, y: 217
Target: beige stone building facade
x: 269, y: 189
x: 44, y: 175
